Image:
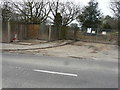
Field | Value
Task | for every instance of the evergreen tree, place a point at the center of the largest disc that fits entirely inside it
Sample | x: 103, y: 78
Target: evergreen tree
x: 107, y: 26
x: 91, y: 16
x: 58, y: 20
x: 58, y: 23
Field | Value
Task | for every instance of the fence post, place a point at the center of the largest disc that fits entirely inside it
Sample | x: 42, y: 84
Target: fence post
x: 0, y: 26
x: 49, y: 32
x: 96, y: 35
x: 9, y: 31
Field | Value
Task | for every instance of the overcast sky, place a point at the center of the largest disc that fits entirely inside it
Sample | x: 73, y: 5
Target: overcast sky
x: 103, y: 5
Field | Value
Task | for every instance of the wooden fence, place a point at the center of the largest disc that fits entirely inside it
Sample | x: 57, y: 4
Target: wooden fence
x: 27, y: 31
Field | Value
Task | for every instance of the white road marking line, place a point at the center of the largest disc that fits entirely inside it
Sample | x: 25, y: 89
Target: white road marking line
x: 52, y: 72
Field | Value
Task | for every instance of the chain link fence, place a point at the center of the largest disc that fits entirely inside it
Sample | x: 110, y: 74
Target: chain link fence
x: 94, y: 35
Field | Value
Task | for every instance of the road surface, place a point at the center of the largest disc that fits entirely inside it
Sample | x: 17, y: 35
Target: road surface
x: 33, y: 71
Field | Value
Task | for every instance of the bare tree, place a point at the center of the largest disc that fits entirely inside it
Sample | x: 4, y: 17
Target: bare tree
x: 69, y: 11
x: 115, y: 6
x: 33, y: 11
x: 7, y: 10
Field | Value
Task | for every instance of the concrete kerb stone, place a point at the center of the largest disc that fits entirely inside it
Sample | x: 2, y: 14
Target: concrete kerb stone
x: 39, y: 48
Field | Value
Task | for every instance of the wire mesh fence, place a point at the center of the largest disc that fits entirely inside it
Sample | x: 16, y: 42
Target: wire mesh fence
x: 95, y: 35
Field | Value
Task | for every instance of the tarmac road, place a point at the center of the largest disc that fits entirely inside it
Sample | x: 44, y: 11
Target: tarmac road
x: 32, y: 71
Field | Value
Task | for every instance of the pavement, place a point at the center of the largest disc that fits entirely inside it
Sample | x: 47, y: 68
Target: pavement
x: 33, y: 71
x: 32, y: 44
